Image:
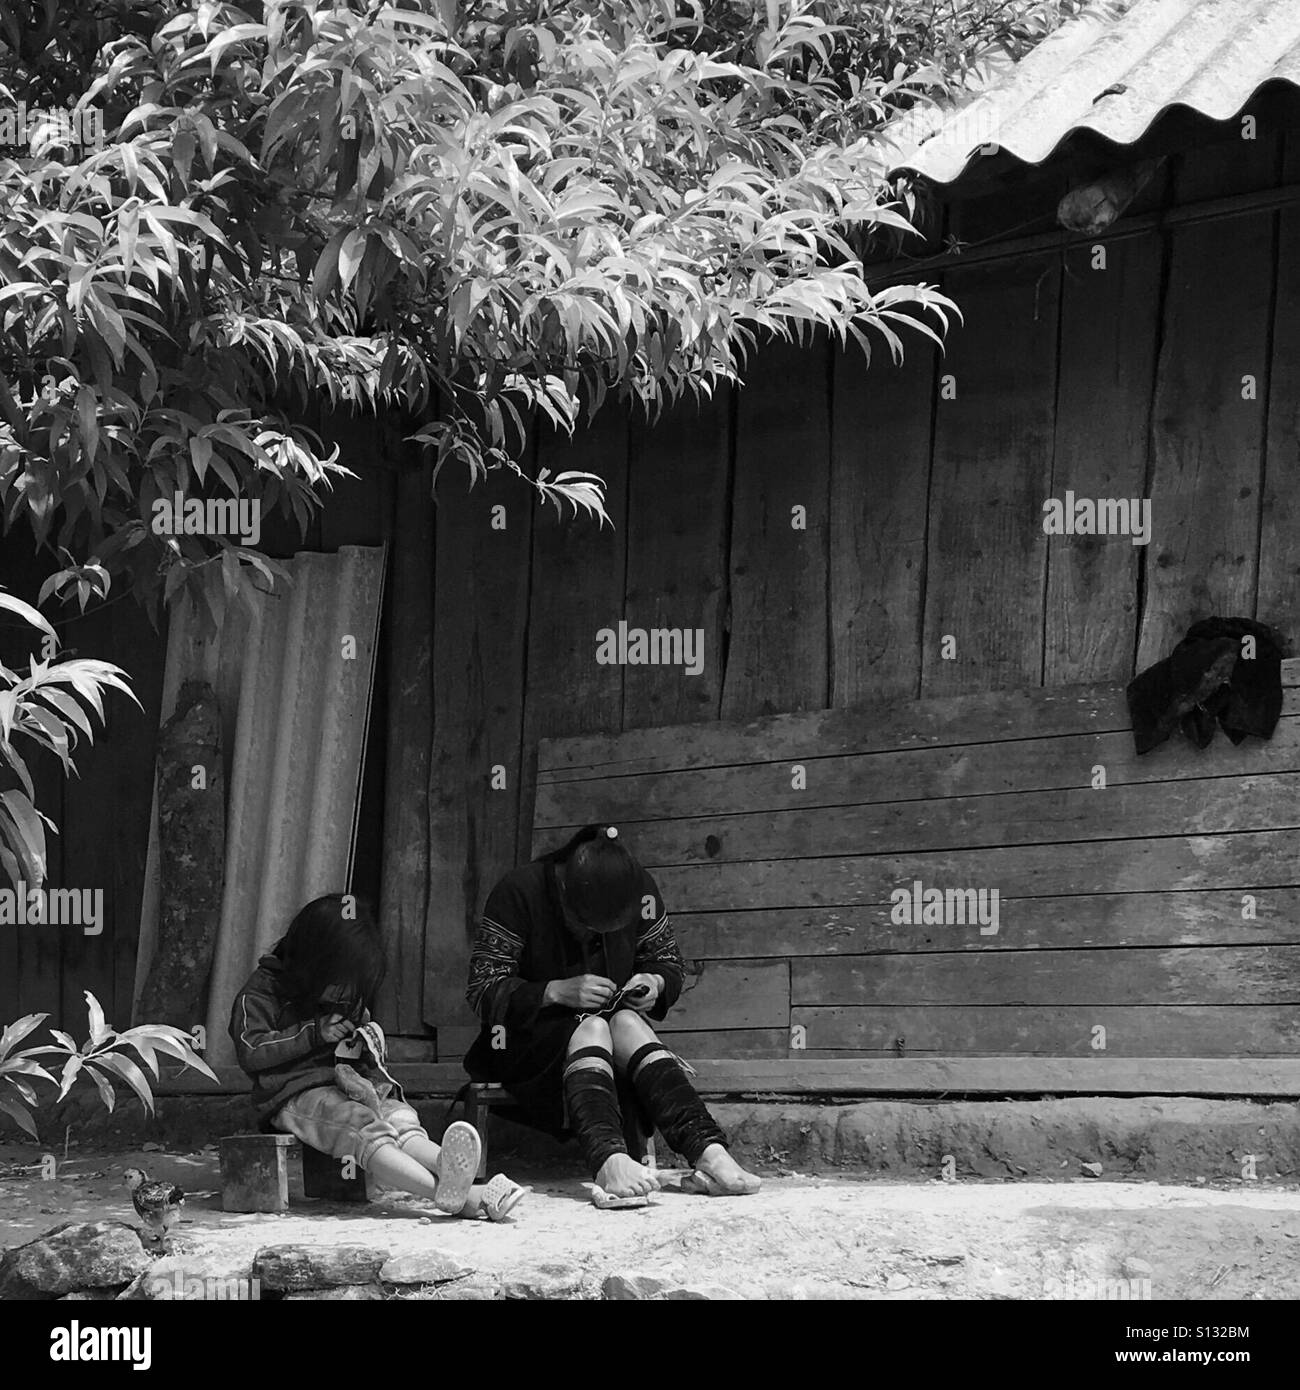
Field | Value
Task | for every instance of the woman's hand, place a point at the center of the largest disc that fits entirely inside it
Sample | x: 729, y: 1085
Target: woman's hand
x: 654, y: 987
x: 581, y: 992
x: 335, y: 1028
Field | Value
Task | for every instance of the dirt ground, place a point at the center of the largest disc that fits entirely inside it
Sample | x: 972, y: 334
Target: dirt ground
x: 802, y: 1237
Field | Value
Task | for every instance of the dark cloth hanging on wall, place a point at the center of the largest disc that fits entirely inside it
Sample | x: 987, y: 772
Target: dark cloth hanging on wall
x: 1205, y: 680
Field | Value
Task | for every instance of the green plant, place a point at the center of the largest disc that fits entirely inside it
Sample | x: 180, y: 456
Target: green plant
x: 103, y: 1058
x: 470, y: 216
x: 19, y: 1069
x: 44, y: 708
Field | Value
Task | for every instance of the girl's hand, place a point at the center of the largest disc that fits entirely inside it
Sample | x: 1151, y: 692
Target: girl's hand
x: 335, y: 1028
x: 646, y: 1002
x: 581, y: 992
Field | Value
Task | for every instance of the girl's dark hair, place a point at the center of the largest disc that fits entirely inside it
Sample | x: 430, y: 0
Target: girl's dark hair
x: 579, y: 837
x: 602, y: 881
x: 326, y: 947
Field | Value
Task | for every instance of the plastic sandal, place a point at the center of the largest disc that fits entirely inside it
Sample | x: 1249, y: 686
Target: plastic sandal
x: 456, y: 1167
x: 496, y: 1199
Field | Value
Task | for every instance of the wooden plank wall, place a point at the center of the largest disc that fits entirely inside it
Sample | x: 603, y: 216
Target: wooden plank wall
x: 922, y: 487
x: 1160, y: 907
x: 920, y: 507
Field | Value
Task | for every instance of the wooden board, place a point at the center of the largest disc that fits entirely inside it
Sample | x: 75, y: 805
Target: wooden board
x: 1066, y: 923
x: 1100, y: 978
x: 678, y: 494
x: 408, y: 639
x: 357, y: 510
x: 1207, y: 441
x: 956, y: 721
x: 985, y: 555
x: 576, y: 589
x: 850, y: 779
x: 1096, y: 1075
x: 1125, y: 897
x: 1279, y: 545
x: 480, y: 610
x: 1212, y: 805
x: 1216, y: 168
x: 734, y: 994
x: 730, y: 1042
x: 1107, y: 369
x: 1256, y: 859
x: 777, y: 652
x: 1143, y: 1030
x: 880, y: 479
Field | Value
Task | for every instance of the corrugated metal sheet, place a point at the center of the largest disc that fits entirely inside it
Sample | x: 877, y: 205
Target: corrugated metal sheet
x: 1208, y: 55
x: 294, y: 713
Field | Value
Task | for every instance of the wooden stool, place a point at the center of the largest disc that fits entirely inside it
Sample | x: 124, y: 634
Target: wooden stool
x: 255, y: 1174
x: 482, y: 1096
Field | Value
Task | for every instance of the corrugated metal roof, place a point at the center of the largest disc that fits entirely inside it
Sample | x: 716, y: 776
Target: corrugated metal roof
x: 294, y: 712
x: 1114, y: 77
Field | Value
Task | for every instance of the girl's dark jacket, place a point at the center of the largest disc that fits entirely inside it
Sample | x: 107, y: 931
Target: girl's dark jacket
x: 521, y: 944
x: 280, y: 1047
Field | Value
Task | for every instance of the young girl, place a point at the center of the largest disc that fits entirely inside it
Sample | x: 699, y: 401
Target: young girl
x: 302, y: 1031
x: 574, y: 955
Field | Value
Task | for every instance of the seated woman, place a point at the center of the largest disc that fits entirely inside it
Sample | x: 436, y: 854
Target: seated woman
x: 558, y: 940
x: 302, y: 1031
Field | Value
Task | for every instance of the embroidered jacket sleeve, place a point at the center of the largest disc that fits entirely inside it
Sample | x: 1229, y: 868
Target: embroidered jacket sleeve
x: 657, y: 951
x: 497, y: 992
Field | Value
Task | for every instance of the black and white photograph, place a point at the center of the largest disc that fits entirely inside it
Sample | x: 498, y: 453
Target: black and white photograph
x: 649, y: 653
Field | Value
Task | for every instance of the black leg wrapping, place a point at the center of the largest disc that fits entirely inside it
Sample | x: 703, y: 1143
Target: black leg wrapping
x: 678, y: 1113
x: 592, y: 1104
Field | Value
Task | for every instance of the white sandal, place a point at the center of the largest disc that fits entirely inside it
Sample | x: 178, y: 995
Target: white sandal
x: 495, y: 1199
x: 457, y: 1164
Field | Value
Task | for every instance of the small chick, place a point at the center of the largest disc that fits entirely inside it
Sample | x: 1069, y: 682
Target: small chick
x: 157, y: 1204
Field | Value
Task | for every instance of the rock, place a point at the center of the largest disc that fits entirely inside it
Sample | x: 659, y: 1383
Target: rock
x: 296, y: 1268
x: 631, y: 1287
x: 544, y: 1281
x: 77, y: 1256
x: 88, y: 1296
x: 477, y: 1289
x: 717, y: 1293
x: 897, y: 1280
x: 423, y: 1267
x: 345, y: 1293
x: 151, y: 1148
x: 1093, y: 1170
x: 1133, y: 1268
x: 194, y: 1278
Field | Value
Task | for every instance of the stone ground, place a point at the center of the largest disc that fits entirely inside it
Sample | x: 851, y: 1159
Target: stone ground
x: 804, y: 1236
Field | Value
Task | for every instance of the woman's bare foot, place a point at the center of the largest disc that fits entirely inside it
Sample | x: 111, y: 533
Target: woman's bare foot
x: 726, y: 1172
x: 622, y: 1176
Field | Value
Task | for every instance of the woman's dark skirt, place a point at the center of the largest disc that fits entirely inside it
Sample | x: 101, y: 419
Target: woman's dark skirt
x: 530, y: 1067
